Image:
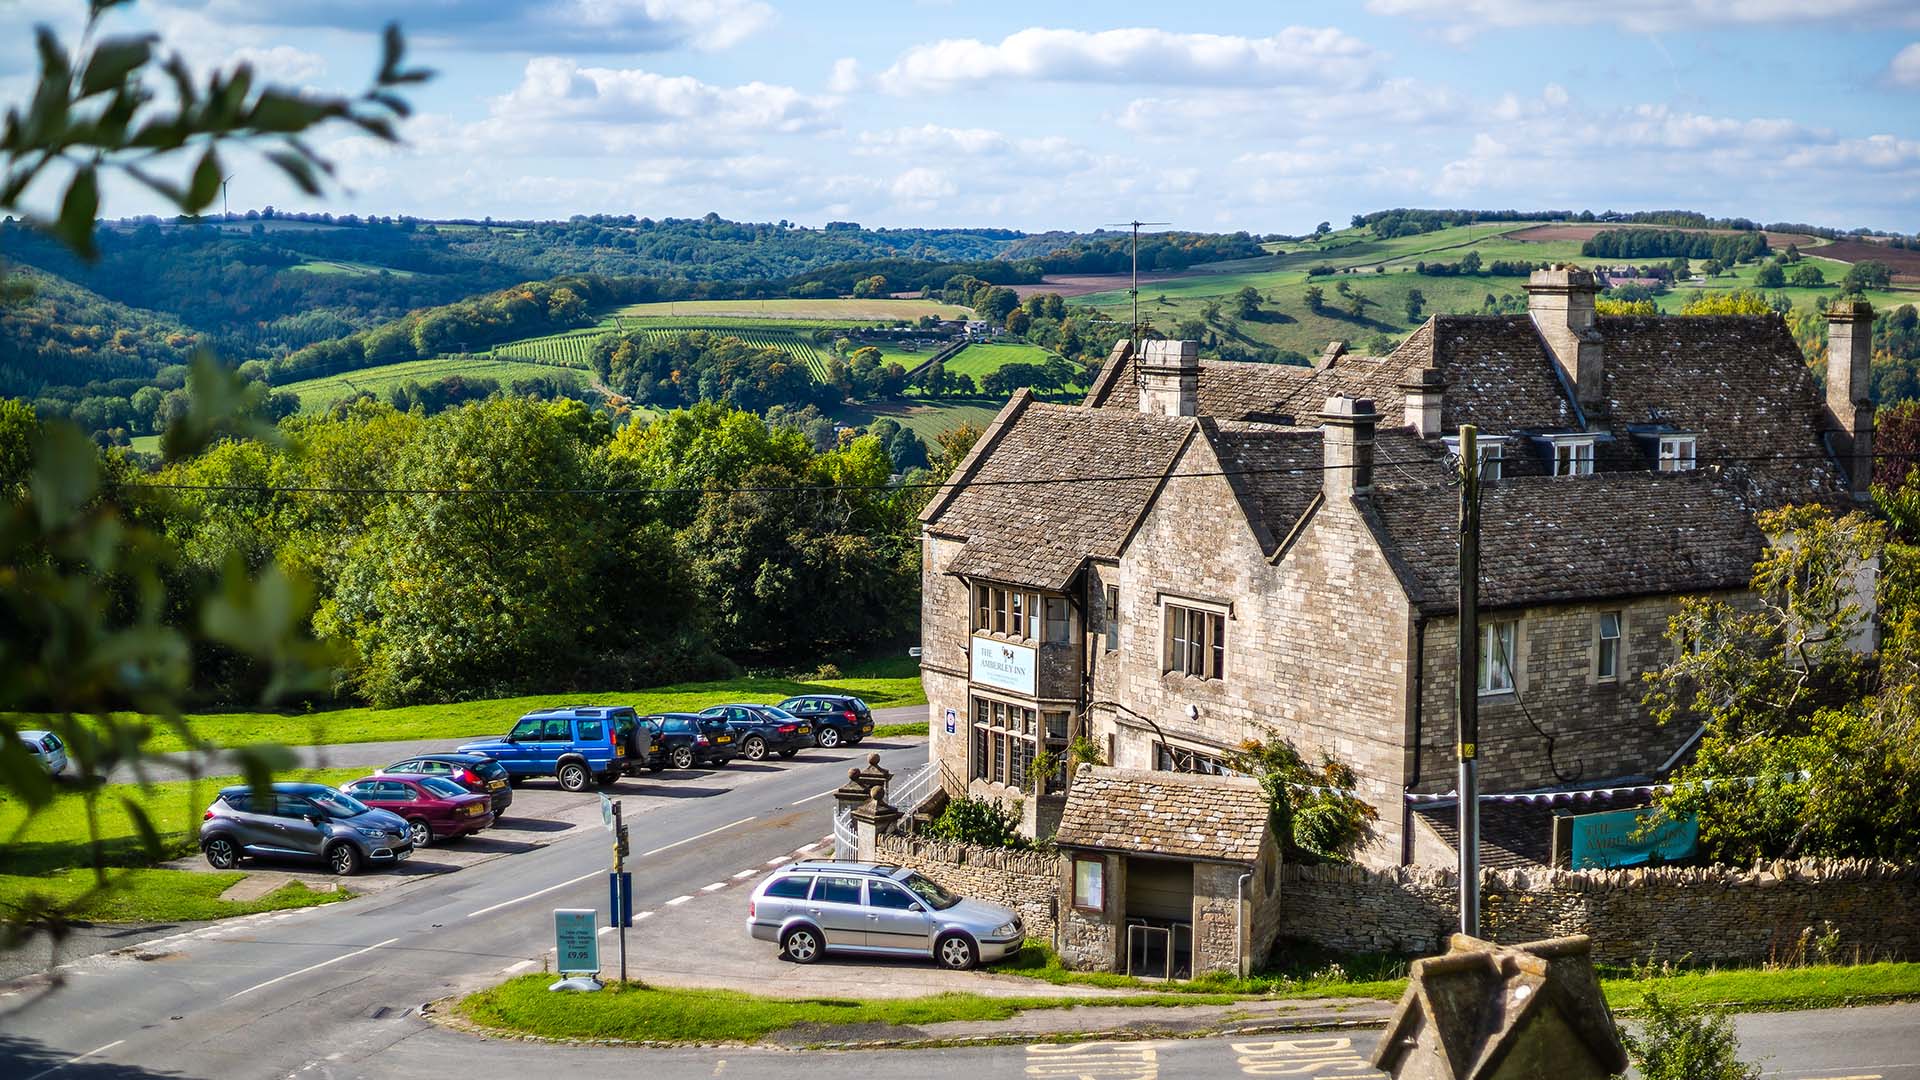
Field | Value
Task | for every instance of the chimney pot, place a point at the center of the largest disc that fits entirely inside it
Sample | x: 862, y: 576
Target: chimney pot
x: 1347, y: 449
x: 1170, y: 378
x: 1850, y: 389
x: 1426, y: 390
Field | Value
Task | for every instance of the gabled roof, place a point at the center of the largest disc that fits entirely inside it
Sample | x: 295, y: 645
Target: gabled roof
x: 1285, y: 394
x: 1500, y: 376
x: 1022, y: 528
x: 1564, y: 539
x: 1178, y: 815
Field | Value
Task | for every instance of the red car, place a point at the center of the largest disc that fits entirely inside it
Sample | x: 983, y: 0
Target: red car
x: 434, y: 807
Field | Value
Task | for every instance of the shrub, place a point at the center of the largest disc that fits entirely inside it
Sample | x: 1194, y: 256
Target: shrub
x: 1675, y: 1044
x: 969, y: 820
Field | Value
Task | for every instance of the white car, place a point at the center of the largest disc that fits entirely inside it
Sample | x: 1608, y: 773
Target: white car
x: 47, y: 749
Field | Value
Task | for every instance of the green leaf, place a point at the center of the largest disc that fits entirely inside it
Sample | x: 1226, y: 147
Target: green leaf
x: 205, y: 183
x: 297, y: 169
x: 66, y: 473
x: 280, y: 112
x: 149, y: 836
x: 77, y: 210
x: 54, y: 68
x: 165, y: 188
x: 113, y: 60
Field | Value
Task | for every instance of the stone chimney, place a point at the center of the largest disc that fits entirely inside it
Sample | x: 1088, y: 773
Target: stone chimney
x: 1334, y: 351
x: 1425, y: 388
x: 1170, y: 378
x: 1561, y: 303
x: 1849, y: 385
x: 1348, y: 455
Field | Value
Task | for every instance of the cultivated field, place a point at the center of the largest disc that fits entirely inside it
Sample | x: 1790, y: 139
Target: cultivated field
x: 983, y: 359
x: 1580, y: 232
x: 882, y: 309
x: 351, y: 269
x: 321, y: 393
x: 928, y: 420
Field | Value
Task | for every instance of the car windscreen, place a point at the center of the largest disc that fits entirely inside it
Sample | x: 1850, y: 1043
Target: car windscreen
x: 858, y: 705
x: 713, y: 723
x: 338, y: 804
x: 775, y: 712
x: 935, y: 894
x: 489, y: 769
x: 50, y: 743
x: 441, y: 786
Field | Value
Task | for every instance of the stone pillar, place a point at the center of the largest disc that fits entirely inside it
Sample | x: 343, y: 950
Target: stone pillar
x: 873, y: 777
x: 1426, y: 389
x: 1348, y: 455
x: 852, y: 793
x: 1169, y: 373
x: 870, y: 819
x: 1849, y: 390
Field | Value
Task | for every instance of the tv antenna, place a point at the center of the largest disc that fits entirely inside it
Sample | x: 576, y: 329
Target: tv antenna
x: 1135, y: 291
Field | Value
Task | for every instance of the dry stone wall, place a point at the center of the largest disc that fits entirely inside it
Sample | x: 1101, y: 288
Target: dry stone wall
x: 1702, y: 915
x: 1026, y: 881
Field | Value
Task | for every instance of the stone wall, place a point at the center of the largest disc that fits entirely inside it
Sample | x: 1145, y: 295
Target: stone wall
x: 1705, y: 915
x: 945, y: 609
x: 1026, y: 881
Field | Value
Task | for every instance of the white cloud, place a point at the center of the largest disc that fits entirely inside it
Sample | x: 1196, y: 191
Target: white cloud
x: 1241, y: 114
x: 845, y: 77
x: 923, y: 184
x: 281, y: 63
x: 1646, y: 16
x: 1296, y: 56
x: 578, y: 26
x: 1904, y: 70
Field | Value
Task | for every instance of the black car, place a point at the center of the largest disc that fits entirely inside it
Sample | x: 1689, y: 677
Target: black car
x: 684, y: 740
x: 836, y: 718
x: 763, y: 729
x: 482, y: 775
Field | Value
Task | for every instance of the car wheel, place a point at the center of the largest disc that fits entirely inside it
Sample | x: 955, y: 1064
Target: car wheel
x: 787, y: 755
x: 801, y: 945
x: 573, y: 776
x: 222, y: 854
x: 956, y: 952
x: 830, y: 737
x: 683, y: 757
x: 756, y: 749
x: 419, y: 832
x: 344, y: 859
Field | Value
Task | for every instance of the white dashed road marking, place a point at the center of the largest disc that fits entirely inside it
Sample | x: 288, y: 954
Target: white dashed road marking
x: 312, y: 967
x: 715, y: 887
x: 74, y: 1060
x: 678, y: 900
x: 746, y: 873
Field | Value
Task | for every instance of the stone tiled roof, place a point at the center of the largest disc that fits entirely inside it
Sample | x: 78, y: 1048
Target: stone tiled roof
x: 1276, y: 471
x: 1178, y: 815
x: 1499, y: 374
x: 1285, y: 394
x: 1562, y: 539
x: 1037, y: 535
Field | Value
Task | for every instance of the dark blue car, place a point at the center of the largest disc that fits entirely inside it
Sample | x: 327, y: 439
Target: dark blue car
x: 577, y: 745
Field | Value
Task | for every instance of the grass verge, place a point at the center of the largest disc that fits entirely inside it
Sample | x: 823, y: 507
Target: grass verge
x: 1371, y: 977
x: 637, y: 1013
x: 881, y: 684
x: 150, y: 895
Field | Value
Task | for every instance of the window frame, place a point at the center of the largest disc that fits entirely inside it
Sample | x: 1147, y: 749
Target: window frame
x: 1193, y: 640
x: 1490, y: 449
x: 1048, y: 606
x: 1603, y: 644
x: 1098, y: 906
x: 1485, y: 678
x: 1112, y: 616
x: 1574, y: 457
x: 1676, y: 462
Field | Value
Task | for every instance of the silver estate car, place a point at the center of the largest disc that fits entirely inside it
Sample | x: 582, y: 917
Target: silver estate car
x: 812, y: 907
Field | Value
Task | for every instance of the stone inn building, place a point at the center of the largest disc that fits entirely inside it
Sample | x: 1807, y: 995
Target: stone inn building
x: 1204, y: 553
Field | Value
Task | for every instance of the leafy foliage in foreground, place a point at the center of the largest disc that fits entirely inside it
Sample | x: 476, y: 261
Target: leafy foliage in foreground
x: 1679, y: 1044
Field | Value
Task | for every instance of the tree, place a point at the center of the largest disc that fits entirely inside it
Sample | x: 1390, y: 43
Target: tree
x: 1210, y: 312
x: 1862, y: 276
x: 1416, y: 303
x: 1322, y: 229
x: 1316, y: 298
x: 1713, y: 268
x: 1677, y: 1044
x: 1314, y: 810
x: 1735, y: 302
x: 870, y: 286
x: 1246, y: 302
x: 1609, y: 306
x: 93, y: 619
x: 995, y: 303
x: 1470, y: 263
x: 1808, y: 275
x: 1019, y: 322
x: 1190, y: 329
x: 1770, y: 276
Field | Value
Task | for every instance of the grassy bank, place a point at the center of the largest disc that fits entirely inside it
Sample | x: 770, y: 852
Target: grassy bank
x: 1740, y: 989
x: 882, y: 684
x: 150, y: 895
x: 633, y: 1012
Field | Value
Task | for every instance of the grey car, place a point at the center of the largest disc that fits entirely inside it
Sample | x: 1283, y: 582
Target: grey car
x: 301, y: 821
x: 810, y: 908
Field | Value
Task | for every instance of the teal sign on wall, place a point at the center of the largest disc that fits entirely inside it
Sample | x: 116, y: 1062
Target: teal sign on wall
x: 1611, y: 839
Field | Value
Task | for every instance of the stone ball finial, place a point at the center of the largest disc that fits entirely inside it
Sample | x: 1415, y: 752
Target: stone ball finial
x: 873, y: 760
x: 853, y: 774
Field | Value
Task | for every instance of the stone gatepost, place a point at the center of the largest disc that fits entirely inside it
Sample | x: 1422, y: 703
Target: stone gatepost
x: 852, y: 793
x: 873, y: 777
x: 870, y: 819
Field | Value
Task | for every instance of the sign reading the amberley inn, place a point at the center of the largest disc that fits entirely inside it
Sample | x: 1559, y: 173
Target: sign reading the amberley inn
x: 1007, y: 666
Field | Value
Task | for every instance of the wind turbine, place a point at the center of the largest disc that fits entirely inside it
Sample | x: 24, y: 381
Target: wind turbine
x: 223, y: 198
x: 1135, y: 291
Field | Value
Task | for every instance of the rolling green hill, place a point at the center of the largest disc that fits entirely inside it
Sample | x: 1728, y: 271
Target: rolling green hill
x: 319, y: 394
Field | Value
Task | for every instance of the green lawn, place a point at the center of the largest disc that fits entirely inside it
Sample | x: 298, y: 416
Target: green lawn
x: 318, y: 394
x: 352, y: 269
x: 56, y: 837
x: 633, y: 1012
x: 883, y: 684
x: 984, y: 358
x: 152, y: 895
x: 145, y: 444
x: 872, y: 309
x: 927, y: 419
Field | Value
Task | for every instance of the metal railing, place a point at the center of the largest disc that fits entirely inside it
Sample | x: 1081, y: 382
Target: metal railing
x: 908, y: 794
x: 846, y: 842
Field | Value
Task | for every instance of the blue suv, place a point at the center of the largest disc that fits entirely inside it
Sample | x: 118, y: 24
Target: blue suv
x: 577, y: 745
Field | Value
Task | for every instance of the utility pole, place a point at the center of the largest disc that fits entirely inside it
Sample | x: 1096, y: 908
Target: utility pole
x: 1468, y: 734
x: 622, y: 887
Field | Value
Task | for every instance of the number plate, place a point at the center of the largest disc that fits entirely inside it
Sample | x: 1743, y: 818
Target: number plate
x: 805, y: 730
x: 496, y: 785
x: 723, y: 738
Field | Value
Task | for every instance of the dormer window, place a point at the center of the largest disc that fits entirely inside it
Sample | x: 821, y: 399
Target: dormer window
x: 1573, y: 457
x: 1491, y: 450
x: 1677, y: 453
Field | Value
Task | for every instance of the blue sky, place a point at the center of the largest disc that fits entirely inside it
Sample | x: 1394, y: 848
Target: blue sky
x: 1260, y: 116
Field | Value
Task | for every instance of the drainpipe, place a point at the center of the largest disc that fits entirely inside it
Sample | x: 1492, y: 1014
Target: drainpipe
x: 1240, y: 924
x: 1419, y: 700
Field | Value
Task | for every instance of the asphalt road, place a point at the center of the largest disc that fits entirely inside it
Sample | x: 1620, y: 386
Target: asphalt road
x: 329, y: 990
